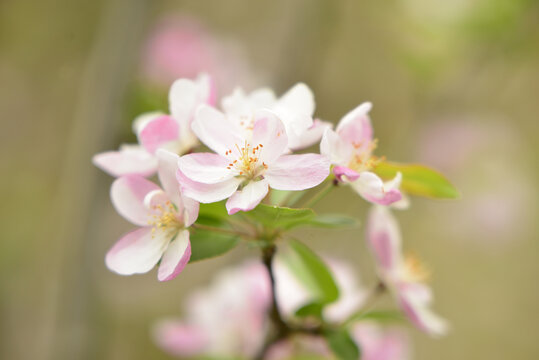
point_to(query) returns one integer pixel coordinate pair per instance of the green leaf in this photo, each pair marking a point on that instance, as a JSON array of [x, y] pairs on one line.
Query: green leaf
[[216, 211], [311, 271], [388, 316], [313, 309], [207, 244], [418, 180], [333, 221], [276, 217], [342, 344]]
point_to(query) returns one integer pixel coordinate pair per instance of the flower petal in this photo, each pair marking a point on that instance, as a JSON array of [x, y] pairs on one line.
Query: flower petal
[[417, 310], [207, 193], [180, 339], [384, 238], [297, 172], [137, 252], [206, 168], [345, 174], [159, 132], [371, 188], [143, 119], [129, 160], [175, 258], [269, 132], [239, 104], [215, 130], [336, 149], [247, 198], [355, 127], [186, 95], [299, 99], [310, 136], [127, 194]]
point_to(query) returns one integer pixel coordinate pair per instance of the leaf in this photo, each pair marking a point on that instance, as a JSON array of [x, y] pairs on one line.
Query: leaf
[[313, 309], [216, 211], [342, 345], [418, 180], [276, 217], [207, 244], [388, 316], [311, 271], [284, 198], [333, 221]]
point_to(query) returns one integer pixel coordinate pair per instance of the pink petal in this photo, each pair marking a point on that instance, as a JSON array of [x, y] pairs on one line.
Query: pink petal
[[420, 315], [175, 258], [207, 193], [143, 119], [159, 132], [372, 189], [127, 194], [168, 165], [355, 127], [336, 149], [137, 252], [206, 168], [297, 172], [345, 174], [310, 136], [128, 161], [381, 343], [215, 130], [185, 96], [384, 238], [269, 132], [247, 198], [179, 339]]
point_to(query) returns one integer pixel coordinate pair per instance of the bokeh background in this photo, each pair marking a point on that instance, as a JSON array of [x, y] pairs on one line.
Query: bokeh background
[[455, 85]]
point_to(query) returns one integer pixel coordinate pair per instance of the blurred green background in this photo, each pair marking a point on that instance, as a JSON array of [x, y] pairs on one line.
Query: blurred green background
[[455, 84]]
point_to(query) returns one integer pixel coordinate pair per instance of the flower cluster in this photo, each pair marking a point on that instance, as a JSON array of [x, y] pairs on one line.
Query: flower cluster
[[245, 188]]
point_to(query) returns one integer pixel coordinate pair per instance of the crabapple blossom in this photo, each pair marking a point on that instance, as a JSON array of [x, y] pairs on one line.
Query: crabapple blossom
[[229, 318], [226, 319], [243, 168], [156, 130], [163, 216], [350, 149], [405, 277], [295, 109]]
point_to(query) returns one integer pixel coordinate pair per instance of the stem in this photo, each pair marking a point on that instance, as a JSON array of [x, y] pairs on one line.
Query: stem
[[372, 298], [281, 327], [221, 230], [320, 195]]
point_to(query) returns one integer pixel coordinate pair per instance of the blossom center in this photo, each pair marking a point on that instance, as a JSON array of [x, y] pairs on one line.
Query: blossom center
[[164, 217], [362, 159], [415, 270], [247, 163]]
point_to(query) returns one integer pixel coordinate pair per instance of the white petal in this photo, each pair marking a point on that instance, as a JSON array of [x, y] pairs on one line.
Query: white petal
[[336, 149], [130, 160], [215, 130], [207, 168], [269, 132], [127, 194], [297, 172], [207, 193], [247, 198], [175, 257], [137, 252]]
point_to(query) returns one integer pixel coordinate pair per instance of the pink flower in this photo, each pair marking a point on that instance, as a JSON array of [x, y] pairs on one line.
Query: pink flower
[[163, 217], [376, 344], [245, 165], [403, 276], [295, 109], [160, 131], [350, 149], [226, 319], [381, 344]]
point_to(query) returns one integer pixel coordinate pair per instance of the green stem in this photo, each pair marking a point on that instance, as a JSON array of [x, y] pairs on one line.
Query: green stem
[[330, 185], [372, 298]]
